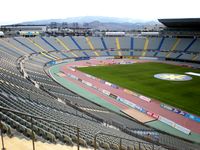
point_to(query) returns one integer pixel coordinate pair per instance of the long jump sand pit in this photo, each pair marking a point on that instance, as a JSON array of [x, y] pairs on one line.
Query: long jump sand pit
[[138, 115]]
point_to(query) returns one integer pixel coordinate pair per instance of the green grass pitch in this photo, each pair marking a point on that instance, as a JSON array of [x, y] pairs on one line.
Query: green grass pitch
[[139, 77]]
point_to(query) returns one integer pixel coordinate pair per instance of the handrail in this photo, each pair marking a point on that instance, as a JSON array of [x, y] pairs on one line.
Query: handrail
[[61, 123], [40, 118], [120, 138]]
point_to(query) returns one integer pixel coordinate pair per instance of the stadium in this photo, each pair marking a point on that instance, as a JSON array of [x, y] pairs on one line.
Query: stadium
[[102, 92]]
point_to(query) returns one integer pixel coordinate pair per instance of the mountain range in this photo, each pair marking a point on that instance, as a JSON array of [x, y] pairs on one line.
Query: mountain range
[[100, 22]]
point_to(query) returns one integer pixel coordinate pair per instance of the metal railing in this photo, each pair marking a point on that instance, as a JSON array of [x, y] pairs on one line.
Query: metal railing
[[120, 141], [39, 118], [2, 109]]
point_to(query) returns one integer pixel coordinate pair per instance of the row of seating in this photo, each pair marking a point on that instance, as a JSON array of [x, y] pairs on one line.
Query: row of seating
[[176, 48]]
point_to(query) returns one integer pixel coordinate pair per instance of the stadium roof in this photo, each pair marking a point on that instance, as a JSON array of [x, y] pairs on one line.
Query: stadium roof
[[181, 23]]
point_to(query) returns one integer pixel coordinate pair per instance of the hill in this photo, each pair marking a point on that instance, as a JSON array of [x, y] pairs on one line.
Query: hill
[[100, 22]]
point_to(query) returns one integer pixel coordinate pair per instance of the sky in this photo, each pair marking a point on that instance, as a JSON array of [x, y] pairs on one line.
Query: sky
[[16, 11]]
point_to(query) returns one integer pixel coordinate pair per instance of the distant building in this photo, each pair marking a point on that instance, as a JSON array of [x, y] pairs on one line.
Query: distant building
[[75, 25], [86, 25], [14, 30], [1, 34], [64, 25], [53, 25], [149, 34], [115, 33], [28, 33]]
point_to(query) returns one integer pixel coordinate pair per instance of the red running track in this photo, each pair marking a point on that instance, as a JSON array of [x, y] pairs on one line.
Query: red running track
[[153, 106]]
